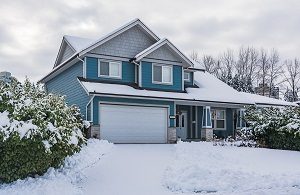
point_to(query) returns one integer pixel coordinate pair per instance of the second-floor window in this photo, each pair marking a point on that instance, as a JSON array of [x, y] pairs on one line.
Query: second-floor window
[[162, 74], [110, 69]]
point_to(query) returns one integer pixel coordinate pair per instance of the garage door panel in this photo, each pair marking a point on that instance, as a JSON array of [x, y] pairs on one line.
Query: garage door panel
[[133, 124]]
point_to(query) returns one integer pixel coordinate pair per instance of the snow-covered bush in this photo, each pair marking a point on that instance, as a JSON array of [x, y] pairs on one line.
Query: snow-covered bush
[[243, 138], [37, 130], [275, 127]]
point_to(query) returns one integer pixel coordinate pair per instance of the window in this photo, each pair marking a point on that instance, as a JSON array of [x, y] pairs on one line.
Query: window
[[218, 118], [110, 69], [162, 74], [187, 76]]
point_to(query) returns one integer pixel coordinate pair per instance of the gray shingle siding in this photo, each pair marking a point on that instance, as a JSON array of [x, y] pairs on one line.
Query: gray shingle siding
[[163, 53], [127, 44], [67, 52], [66, 84]]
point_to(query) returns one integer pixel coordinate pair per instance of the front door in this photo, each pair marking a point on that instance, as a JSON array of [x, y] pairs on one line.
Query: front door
[[181, 124]]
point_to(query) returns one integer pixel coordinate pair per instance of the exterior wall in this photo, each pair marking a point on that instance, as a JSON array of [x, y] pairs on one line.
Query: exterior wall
[[229, 125], [147, 78], [189, 83], [67, 52], [66, 83], [131, 101], [199, 121], [163, 53], [128, 71], [127, 44]]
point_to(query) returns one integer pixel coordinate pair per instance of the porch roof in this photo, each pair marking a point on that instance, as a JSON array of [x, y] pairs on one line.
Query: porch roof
[[210, 89]]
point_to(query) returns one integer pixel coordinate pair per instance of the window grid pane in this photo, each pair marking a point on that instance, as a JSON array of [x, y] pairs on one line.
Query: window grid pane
[[104, 68], [157, 73], [167, 74], [186, 76], [220, 124], [114, 69]]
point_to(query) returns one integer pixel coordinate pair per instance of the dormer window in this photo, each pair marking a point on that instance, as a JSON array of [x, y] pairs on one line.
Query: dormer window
[[109, 69], [162, 74], [187, 77]]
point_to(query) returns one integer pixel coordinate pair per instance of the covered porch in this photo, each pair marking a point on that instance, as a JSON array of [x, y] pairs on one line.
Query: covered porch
[[202, 121]]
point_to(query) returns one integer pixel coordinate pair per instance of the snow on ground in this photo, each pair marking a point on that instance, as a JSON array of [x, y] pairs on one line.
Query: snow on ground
[[202, 167], [65, 180], [164, 169]]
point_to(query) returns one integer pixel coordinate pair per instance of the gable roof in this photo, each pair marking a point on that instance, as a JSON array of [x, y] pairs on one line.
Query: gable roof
[[159, 44], [78, 43], [81, 45]]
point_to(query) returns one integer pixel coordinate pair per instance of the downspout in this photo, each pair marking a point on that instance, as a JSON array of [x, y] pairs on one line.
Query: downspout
[[138, 76], [86, 109], [83, 66]]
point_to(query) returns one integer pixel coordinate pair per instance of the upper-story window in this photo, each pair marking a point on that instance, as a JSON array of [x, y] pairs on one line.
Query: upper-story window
[[162, 74], [109, 69], [187, 76]]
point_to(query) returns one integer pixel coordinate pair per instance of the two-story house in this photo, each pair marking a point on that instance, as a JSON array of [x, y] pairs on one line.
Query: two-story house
[[137, 88]]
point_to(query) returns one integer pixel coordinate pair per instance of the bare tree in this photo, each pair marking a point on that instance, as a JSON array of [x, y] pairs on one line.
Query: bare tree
[[195, 56], [226, 65], [275, 70], [209, 64], [292, 77], [264, 67]]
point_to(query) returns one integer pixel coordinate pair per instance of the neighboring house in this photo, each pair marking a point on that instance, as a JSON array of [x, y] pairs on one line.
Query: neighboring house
[[5, 77], [137, 88]]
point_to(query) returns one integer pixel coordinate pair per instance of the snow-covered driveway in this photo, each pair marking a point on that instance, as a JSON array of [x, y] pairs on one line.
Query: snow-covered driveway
[[131, 169]]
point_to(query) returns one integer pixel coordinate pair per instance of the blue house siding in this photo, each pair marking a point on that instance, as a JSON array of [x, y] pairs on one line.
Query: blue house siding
[[199, 120], [128, 71], [66, 84], [132, 101], [189, 83], [147, 78], [229, 125]]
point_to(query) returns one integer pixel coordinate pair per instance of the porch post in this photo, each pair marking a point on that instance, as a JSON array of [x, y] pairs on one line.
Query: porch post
[[207, 130]]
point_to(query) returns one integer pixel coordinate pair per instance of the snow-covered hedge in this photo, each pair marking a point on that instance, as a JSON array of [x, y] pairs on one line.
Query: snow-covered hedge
[[37, 130], [275, 127]]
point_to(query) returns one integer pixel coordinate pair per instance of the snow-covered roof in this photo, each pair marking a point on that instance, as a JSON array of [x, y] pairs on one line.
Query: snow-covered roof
[[210, 89], [78, 43]]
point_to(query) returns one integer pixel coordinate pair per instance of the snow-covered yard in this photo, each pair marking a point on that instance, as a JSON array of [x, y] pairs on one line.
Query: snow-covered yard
[[162, 169], [202, 167]]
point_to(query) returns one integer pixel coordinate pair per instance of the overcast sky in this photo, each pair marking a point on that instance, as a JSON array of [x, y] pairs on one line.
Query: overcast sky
[[31, 30]]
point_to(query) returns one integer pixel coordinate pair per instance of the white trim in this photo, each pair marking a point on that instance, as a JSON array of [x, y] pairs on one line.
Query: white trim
[[189, 76], [84, 68], [109, 64], [196, 119], [162, 74], [157, 45], [140, 74], [182, 79], [64, 40], [206, 116], [86, 108]]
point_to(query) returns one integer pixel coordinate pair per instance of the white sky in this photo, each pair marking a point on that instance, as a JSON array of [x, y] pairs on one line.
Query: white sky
[[31, 30]]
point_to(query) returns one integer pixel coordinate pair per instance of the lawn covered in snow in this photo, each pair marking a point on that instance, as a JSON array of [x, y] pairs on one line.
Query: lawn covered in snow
[[202, 167], [66, 180]]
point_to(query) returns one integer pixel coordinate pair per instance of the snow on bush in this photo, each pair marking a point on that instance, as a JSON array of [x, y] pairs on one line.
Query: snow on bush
[[275, 127], [204, 168], [65, 180], [37, 130]]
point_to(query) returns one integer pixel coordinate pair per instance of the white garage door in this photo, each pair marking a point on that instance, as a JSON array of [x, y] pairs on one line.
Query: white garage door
[[133, 124]]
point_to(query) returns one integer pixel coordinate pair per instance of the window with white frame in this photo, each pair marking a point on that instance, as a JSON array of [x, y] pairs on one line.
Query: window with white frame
[[109, 69], [218, 119], [186, 76], [162, 74]]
